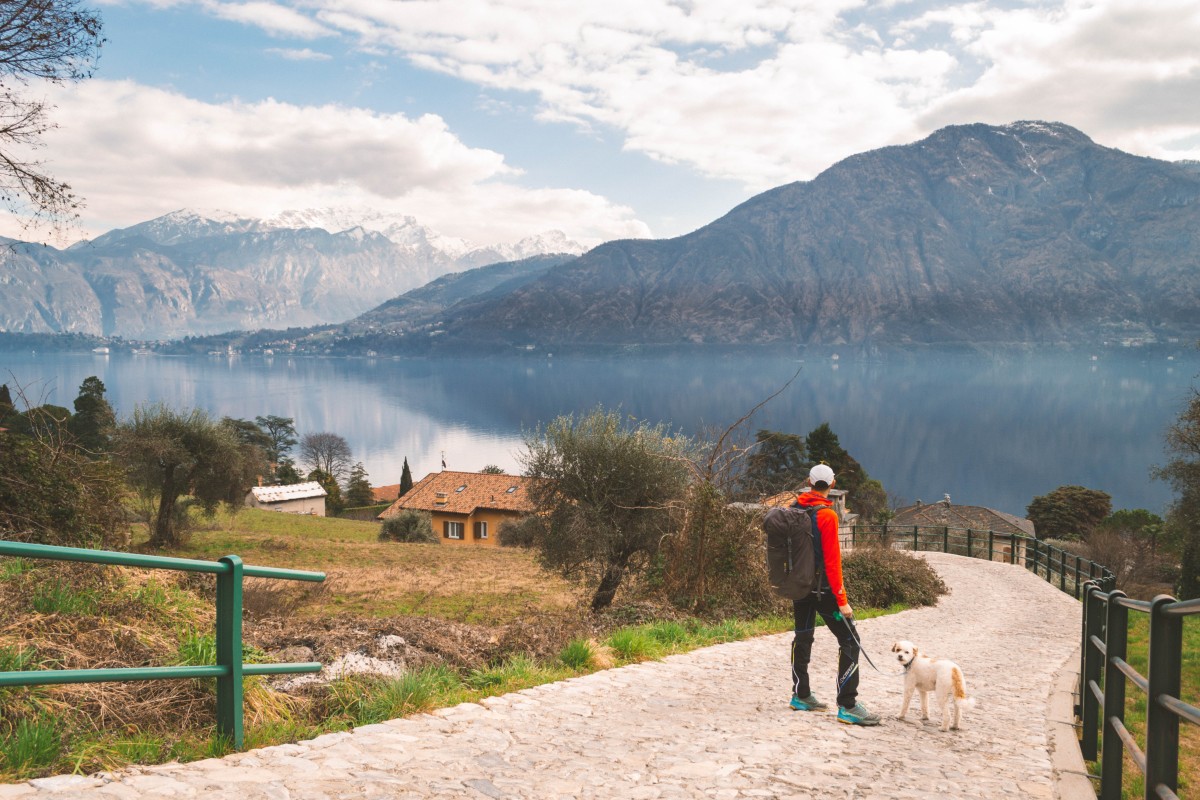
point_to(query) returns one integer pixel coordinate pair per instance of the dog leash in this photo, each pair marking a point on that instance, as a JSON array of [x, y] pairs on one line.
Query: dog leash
[[854, 635]]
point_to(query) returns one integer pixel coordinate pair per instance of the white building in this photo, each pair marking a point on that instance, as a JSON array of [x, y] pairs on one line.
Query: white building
[[297, 498]]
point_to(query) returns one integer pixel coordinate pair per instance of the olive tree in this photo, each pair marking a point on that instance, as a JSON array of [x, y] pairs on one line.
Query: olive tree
[[607, 491], [170, 454]]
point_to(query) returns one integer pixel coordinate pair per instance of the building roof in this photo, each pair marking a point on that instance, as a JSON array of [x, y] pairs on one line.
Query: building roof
[[294, 491], [956, 516], [464, 492], [385, 493]]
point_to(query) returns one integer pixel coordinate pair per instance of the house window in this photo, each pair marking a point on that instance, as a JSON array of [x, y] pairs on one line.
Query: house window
[[452, 530], [480, 530], [461, 488], [510, 490]]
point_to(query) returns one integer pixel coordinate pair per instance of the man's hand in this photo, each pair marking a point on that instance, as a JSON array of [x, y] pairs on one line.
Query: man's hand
[[846, 611]]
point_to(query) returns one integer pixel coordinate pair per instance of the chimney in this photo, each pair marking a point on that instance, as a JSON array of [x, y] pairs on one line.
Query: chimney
[[440, 498], [946, 499]]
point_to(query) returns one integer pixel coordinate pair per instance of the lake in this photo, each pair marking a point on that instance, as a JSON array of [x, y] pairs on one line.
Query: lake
[[987, 430]]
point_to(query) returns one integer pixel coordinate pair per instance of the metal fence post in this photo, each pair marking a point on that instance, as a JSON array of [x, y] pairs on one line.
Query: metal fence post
[[1112, 751], [1162, 726], [1062, 570], [229, 651], [945, 538], [1078, 564], [1089, 673], [991, 544], [916, 530], [970, 550]]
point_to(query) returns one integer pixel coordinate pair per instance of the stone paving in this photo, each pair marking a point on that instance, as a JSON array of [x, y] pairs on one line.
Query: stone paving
[[713, 723]]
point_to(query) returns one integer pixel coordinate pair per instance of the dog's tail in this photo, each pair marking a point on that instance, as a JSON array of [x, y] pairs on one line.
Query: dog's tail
[[960, 688]]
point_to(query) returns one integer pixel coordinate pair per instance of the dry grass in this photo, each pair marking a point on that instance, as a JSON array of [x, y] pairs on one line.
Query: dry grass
[[493, 586]]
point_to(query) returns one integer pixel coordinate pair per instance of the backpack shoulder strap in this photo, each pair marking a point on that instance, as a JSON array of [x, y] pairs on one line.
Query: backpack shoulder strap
[[818, 552]]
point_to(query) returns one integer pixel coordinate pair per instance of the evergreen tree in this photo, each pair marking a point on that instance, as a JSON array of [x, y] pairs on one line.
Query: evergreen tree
[[1068, 512], [286, 473], [1183, 516], [406, 481], [776, 464], [491, 469], [7, 409], [333, 492], [358, 488], [94, 418], [282, 433]]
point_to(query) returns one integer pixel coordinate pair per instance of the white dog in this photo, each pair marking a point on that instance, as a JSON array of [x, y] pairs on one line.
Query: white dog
[[925, 674]]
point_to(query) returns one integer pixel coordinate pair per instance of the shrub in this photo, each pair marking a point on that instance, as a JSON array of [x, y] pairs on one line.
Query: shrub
[[414, 527], [879, 578]]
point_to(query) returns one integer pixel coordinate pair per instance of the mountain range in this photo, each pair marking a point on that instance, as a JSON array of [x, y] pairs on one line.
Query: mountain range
[[1026, 233], [1022, 233], [194, 273]]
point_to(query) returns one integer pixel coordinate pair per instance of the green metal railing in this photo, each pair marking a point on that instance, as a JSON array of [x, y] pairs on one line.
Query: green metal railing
[[1071, 573], [1102, 708], [229, 669], [1105, 628]]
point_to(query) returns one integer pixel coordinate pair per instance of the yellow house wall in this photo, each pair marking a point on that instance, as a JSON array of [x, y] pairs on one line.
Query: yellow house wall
[[493, 519]]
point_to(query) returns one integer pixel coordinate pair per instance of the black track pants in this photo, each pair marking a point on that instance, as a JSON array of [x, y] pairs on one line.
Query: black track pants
[[805, 612]]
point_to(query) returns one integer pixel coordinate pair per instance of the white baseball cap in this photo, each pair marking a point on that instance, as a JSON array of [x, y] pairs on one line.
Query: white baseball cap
[[821, 473]]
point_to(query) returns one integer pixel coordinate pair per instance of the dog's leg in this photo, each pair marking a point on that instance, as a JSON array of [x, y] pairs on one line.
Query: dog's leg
[[908, 690], [943, 693], [925, 705]]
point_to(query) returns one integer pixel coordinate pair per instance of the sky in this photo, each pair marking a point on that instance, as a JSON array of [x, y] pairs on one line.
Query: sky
[[493, 120]]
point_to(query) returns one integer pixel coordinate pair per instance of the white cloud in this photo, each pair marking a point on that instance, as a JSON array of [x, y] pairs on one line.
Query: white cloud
[[273, 18], [303, 54], [135, 152], [1124, 72], [815, 81]]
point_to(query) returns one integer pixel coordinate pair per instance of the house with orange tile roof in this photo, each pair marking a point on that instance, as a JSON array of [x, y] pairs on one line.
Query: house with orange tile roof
[[468, 508]]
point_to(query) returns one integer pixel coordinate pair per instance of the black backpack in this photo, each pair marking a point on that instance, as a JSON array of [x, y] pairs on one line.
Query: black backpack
[[794, 564]]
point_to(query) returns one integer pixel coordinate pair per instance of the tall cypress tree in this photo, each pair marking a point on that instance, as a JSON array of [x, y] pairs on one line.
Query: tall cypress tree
[[406, 482], [94, 418]]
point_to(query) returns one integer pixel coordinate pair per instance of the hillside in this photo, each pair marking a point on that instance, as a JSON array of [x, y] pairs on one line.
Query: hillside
[[1028, 233]]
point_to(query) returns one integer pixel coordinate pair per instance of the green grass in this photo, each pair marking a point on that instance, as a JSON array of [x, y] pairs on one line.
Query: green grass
[[31, 744], [578, 654], [58, 597], [12, 566]]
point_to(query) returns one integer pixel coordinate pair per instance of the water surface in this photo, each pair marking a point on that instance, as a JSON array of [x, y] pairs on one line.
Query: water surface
[[987, 430]]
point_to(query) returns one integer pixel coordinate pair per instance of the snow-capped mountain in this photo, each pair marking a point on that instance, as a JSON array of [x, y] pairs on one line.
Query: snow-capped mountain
[[195, 272]]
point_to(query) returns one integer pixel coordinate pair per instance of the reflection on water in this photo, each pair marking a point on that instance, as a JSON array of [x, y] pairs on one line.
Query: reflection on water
[[985, 430]]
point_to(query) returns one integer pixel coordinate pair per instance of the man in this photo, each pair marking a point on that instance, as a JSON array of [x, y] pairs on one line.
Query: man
[[830, 601]]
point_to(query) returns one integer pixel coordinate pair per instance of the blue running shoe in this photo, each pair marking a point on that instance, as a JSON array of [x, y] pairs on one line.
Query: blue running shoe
[[810, 703], [857, 715]]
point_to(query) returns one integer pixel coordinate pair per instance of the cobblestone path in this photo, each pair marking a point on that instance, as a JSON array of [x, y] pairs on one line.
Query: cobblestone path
[[713, 723]]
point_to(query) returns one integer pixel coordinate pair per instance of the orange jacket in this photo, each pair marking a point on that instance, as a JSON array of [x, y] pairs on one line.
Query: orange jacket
[[827, 524]]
